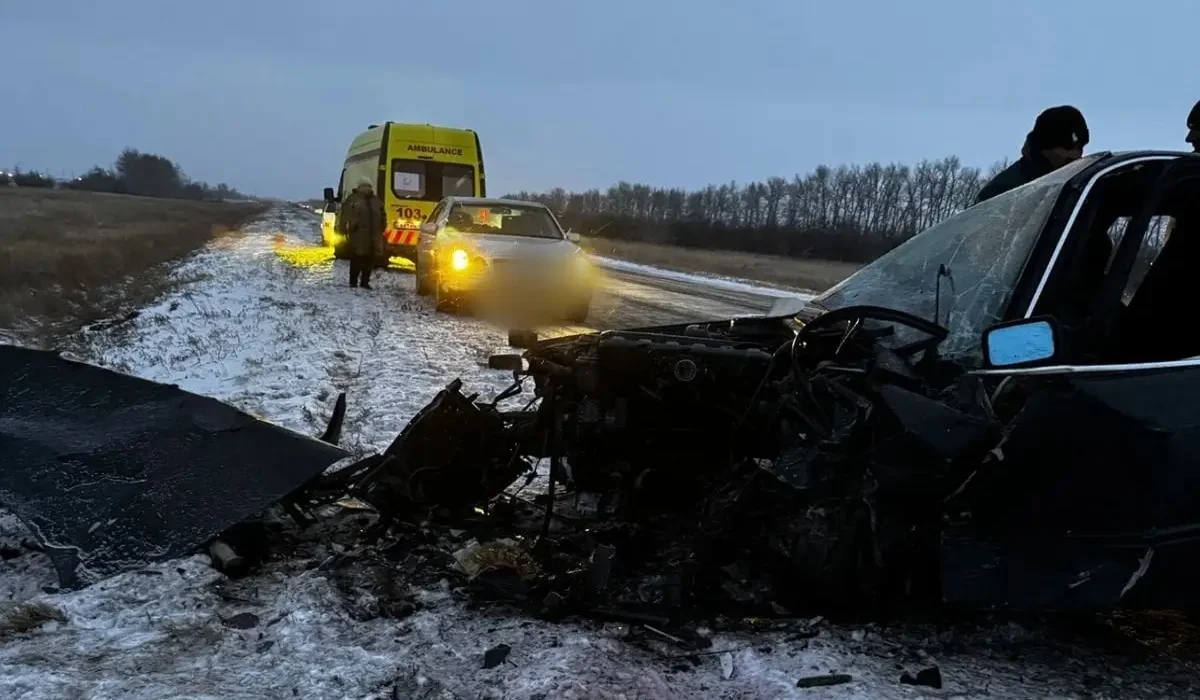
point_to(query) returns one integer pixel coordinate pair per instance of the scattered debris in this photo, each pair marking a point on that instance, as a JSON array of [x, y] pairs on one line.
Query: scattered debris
[[477, 559], [225, 559], [726, 666], [241, 621], [931, 677], [496, 655], [821, 681], [110, 323], [19, 618]]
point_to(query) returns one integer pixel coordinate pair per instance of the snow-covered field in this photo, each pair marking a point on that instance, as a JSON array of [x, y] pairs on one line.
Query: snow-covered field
[[267, 323]]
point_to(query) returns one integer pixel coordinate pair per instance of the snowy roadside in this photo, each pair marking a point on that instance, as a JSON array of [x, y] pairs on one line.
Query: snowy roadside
[[269, 326], [272, 328]]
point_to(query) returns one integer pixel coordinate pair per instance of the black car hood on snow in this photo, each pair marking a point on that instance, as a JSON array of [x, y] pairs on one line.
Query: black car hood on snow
[[112, 472]]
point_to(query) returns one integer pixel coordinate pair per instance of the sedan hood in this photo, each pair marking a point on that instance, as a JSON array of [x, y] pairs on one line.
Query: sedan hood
[[502, 246]]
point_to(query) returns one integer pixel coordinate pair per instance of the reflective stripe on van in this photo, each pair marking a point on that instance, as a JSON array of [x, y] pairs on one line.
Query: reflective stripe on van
[[402, 236]]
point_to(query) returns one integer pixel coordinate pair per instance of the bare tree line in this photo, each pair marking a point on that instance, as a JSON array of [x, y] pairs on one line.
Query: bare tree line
[[853, 213], [134, 172]]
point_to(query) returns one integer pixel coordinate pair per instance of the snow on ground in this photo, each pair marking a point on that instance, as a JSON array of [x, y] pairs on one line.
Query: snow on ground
[[715, 281], [272, 327], [268, 324]]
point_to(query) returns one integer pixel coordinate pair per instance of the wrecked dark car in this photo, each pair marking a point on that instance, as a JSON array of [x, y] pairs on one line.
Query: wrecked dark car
[[999, 412]]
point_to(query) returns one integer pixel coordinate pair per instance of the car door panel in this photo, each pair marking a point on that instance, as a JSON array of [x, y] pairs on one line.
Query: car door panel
[[1095, 498]]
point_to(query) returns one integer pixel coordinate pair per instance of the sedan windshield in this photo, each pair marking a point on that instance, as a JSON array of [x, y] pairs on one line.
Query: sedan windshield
[[528, 221], [984, 250]]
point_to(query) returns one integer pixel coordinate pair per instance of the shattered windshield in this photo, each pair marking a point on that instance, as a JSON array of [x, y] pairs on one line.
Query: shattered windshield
[[984, 249]]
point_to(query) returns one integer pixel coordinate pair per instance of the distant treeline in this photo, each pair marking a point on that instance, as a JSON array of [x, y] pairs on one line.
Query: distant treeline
[[851, 213], [143, 174]]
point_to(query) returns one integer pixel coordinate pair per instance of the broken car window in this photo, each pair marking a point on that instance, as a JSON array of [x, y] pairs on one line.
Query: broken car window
[[984, 249], [1156, 236]]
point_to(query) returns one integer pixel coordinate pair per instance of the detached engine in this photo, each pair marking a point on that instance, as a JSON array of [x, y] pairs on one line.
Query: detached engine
[[659, 415]]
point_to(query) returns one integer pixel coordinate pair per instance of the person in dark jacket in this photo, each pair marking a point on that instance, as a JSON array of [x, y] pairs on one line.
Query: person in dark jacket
[[362, 221], [1193, 124], [1057, 138]]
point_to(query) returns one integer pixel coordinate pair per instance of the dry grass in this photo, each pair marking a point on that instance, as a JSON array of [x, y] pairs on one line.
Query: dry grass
[[70, 258], [19, 618], [814, 275]]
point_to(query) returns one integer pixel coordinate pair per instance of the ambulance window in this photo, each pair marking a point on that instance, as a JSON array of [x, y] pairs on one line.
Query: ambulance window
[[458, 180], [363, 165], [408, 179]]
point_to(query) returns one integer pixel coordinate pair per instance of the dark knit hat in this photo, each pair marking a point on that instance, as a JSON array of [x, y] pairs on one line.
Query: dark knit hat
[[1059, 127], [1194, 118]]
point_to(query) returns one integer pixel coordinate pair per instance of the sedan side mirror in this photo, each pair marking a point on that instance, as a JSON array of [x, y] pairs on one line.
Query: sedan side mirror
[[429, 228], [1021, 343], [573, 237]]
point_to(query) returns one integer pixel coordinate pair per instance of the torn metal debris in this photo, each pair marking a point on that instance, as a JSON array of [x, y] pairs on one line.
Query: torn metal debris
[[824, 681]]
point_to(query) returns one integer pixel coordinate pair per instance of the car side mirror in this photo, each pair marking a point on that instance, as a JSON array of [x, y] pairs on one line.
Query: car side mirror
[[329, 194], [429, 228], [573, 237], [1021, 343]]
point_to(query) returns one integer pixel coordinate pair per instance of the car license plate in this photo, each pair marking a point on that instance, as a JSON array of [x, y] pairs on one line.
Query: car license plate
[[516, 269]]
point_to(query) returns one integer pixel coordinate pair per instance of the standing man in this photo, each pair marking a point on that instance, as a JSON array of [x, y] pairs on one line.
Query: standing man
[[1057, 138], [1193, 124], [1193, 137], [362, 220]]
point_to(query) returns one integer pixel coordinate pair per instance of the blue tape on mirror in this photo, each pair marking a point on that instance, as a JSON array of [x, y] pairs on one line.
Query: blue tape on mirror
[[1020, 344]]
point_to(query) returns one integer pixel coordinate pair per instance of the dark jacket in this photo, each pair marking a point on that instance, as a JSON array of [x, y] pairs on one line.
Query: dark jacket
[[363, 221], [1030, 167]]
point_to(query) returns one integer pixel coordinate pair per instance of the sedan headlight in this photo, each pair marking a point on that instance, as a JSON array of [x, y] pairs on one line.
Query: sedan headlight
[[459, 260]]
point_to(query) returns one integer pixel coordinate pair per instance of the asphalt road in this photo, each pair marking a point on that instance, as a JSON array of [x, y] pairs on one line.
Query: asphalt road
[[630, 299]]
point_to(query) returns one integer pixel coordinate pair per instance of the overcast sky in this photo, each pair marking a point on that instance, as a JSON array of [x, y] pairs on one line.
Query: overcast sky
[[266, 94]]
